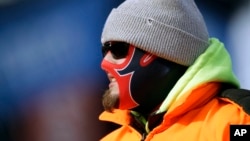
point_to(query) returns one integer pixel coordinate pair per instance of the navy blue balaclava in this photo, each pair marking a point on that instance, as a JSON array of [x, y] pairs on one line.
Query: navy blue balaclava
[[144, 79]]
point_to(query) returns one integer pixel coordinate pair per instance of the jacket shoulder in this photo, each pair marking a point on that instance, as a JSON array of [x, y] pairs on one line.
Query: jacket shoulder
[[239, 96]]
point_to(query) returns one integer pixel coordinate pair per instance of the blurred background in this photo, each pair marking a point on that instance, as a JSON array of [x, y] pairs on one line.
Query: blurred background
[[51, 83]]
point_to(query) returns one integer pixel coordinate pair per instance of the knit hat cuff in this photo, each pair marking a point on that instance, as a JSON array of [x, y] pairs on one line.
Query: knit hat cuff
[[152, 36]]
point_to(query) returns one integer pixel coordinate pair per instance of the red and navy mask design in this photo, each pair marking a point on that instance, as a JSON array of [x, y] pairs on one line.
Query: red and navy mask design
[[142, 78]]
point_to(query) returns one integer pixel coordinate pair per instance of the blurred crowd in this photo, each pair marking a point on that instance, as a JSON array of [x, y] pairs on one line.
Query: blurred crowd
[[51, 83]]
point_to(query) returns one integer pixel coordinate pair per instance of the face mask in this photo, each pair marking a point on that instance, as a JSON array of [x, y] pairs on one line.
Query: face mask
[[144, 80]]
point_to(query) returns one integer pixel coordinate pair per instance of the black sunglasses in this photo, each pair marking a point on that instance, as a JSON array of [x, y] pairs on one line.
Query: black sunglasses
[[118, 49]]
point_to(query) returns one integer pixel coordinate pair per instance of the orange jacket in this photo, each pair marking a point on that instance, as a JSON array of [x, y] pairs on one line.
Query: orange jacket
[[199, 122], [194, 111]]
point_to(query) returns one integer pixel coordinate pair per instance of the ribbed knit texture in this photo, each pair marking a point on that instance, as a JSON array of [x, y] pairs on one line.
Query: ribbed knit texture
[[171, 29]]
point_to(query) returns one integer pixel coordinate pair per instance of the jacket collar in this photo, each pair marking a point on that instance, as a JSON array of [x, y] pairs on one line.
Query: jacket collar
[[214, 65]]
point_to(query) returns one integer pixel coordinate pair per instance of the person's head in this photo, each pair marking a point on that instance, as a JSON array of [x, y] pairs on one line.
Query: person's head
[[147, 46]]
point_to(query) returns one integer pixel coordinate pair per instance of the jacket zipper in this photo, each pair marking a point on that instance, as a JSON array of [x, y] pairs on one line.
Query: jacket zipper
[[144, 135]]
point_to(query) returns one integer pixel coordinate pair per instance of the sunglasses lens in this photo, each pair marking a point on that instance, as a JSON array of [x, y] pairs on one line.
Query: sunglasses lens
[[105, 49], [118, 49]]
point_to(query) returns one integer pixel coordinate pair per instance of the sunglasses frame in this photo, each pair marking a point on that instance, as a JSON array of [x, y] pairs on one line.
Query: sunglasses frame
[[118, 50]]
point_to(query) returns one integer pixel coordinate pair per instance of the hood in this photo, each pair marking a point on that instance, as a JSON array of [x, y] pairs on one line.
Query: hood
[[214, 65]]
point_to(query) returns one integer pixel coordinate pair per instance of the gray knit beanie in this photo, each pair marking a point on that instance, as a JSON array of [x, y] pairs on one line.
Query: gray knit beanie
[[171, 29]]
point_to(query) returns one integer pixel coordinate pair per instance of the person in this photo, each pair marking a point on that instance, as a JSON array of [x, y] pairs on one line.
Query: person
[[168, 79]]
